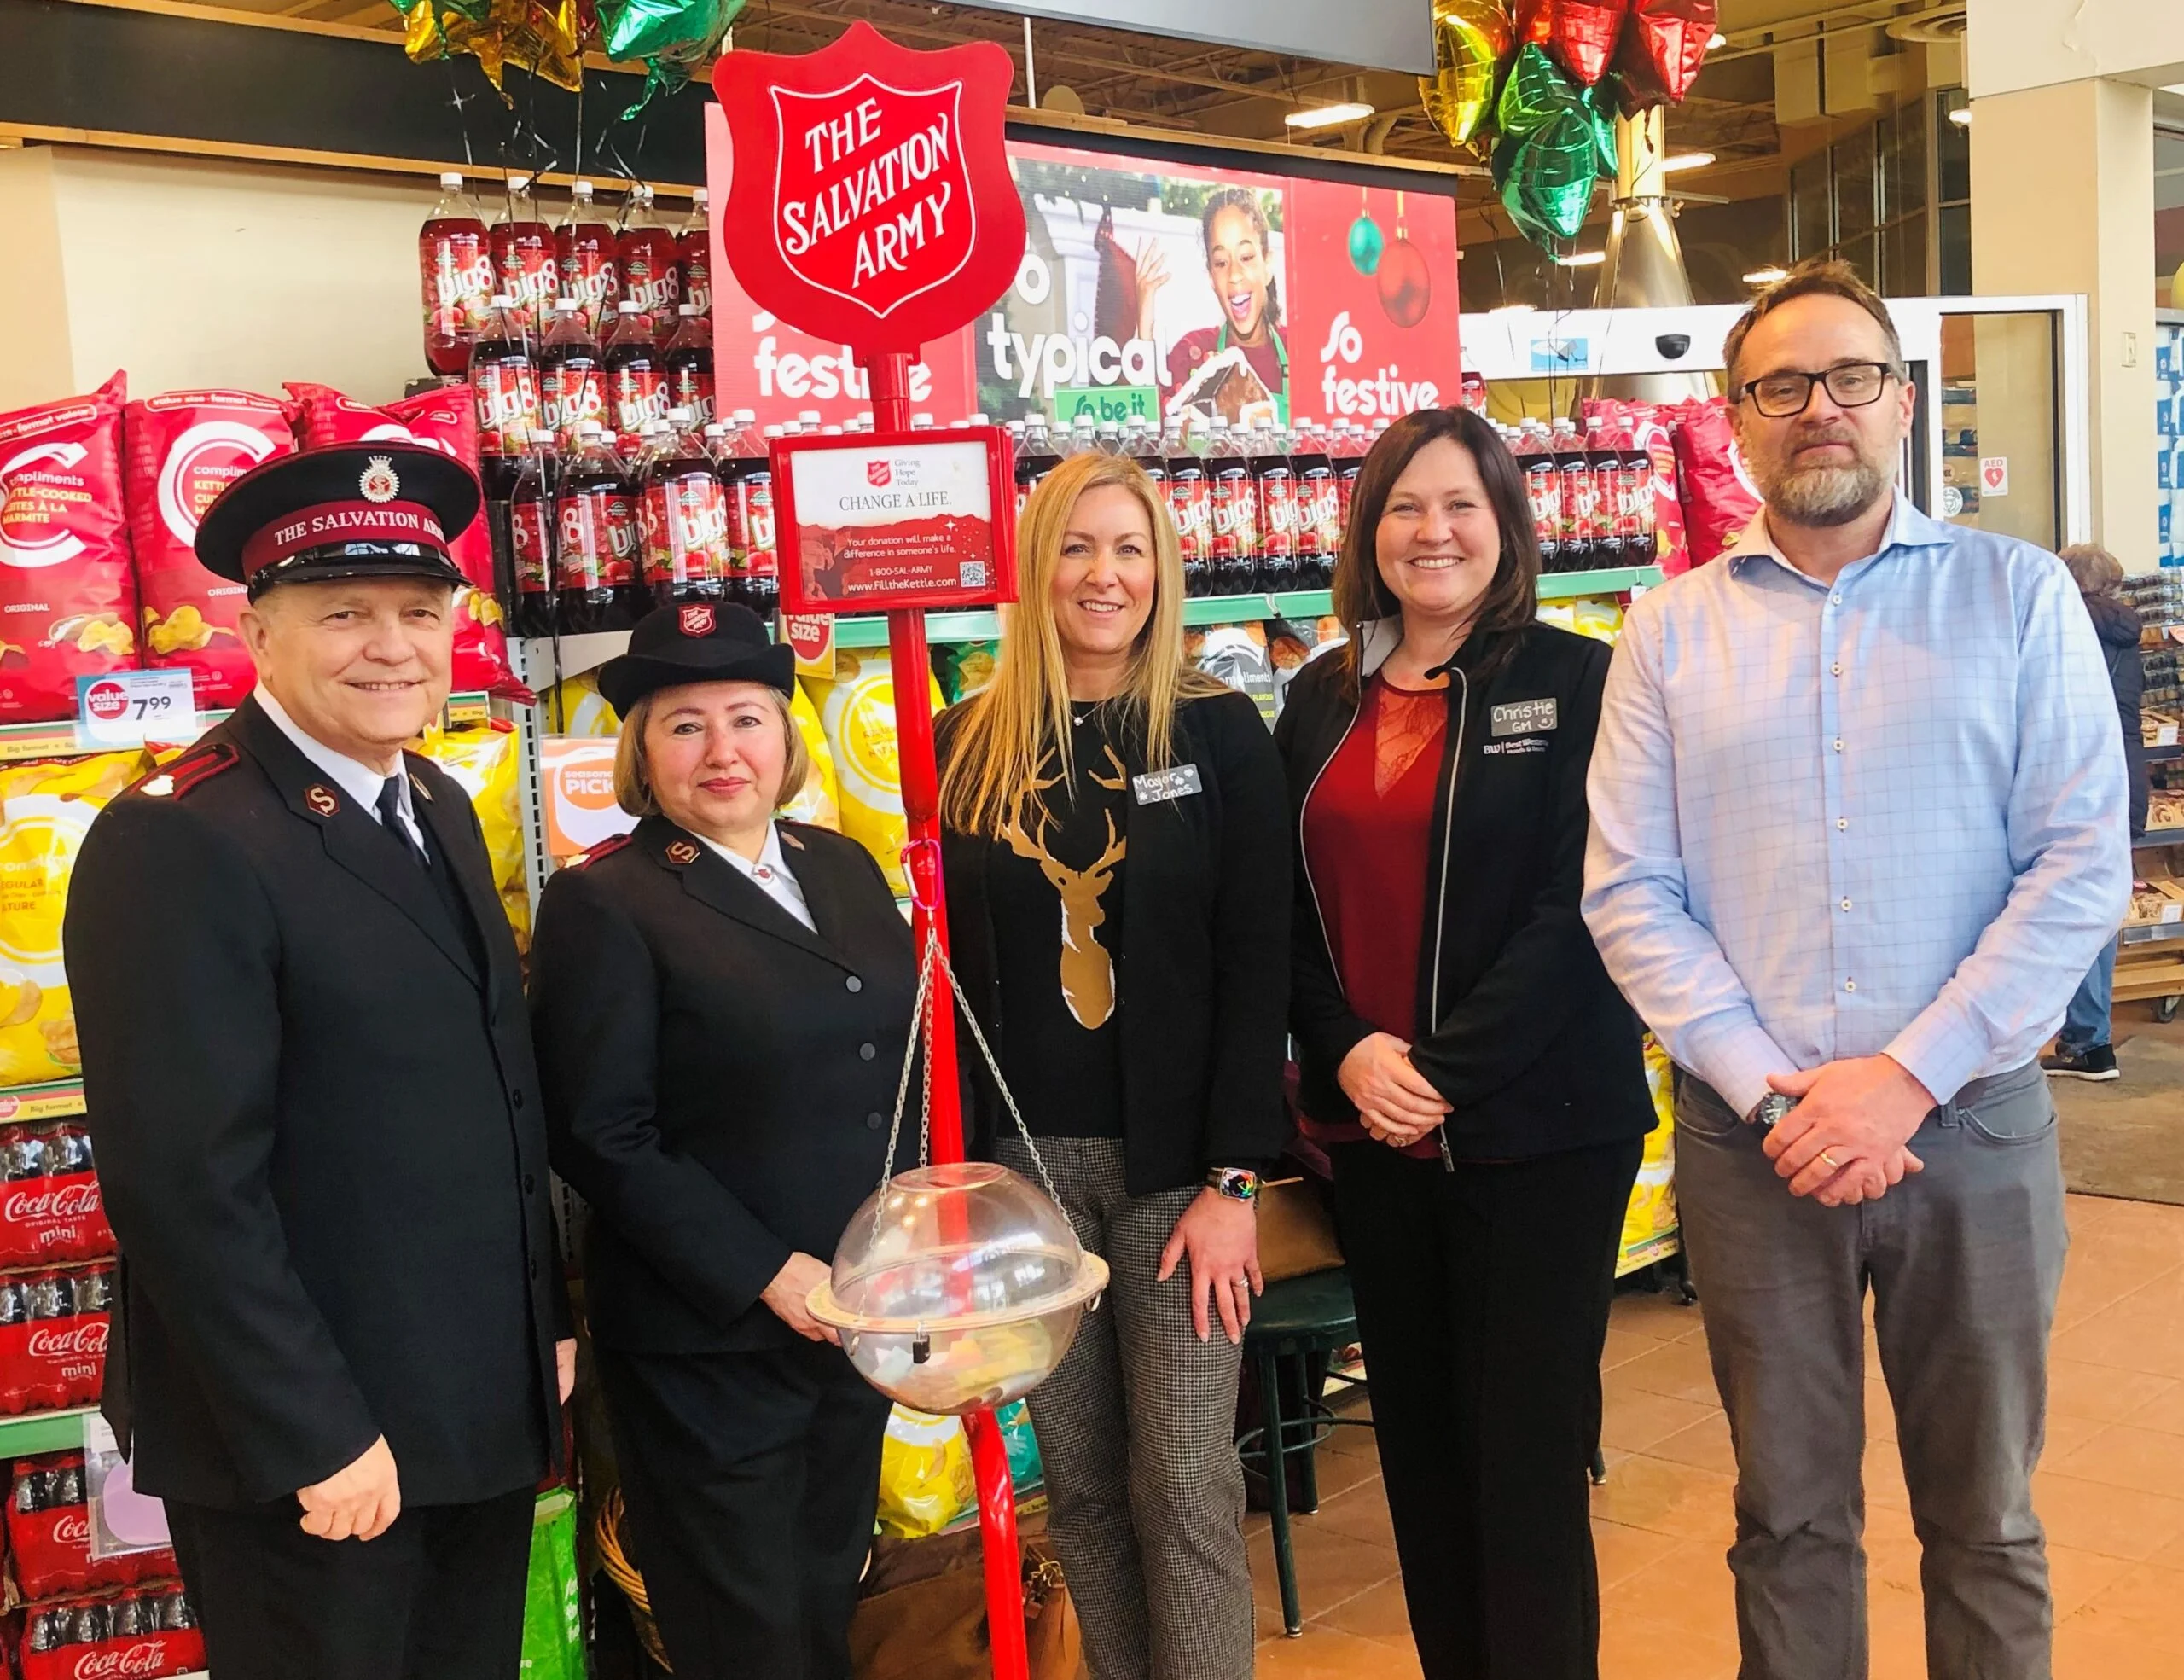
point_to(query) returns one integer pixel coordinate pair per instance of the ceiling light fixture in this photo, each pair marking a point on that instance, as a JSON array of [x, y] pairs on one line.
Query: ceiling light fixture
[[1511, 309], [1766, 276], [1717, 39], [1676, 160], [1961, 116], [1328, 116], [1582, 258]]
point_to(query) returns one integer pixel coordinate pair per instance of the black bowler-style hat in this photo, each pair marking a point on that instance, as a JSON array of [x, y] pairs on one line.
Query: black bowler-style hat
[[360, 510], [698, 641]]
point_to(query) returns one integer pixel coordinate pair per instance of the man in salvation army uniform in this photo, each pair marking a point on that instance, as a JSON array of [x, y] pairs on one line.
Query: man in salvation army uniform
[[341, 1344]]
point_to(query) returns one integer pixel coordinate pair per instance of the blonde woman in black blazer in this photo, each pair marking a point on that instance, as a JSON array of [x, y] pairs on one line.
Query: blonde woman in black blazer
[[722, 1002]]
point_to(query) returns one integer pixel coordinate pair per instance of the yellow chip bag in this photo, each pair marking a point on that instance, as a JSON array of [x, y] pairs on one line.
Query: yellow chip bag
[[482, 760], [925, 1473], [574, 706], [856, 710], [821, 802], [45, 810], [1649, 1223]]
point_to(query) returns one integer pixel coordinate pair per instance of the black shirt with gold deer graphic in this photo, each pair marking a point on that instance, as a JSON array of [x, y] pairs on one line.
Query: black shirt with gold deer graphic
[[1055, 886]]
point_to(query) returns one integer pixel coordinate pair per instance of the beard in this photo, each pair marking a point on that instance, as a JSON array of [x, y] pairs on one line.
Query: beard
[[1822, 496]]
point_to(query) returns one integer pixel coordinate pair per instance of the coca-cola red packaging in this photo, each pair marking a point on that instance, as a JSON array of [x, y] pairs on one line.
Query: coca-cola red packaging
[[443, 420], [53, 1327], [49, 1204], [1719, 497], [67, 595], [49, 1533], [185, 447], [142, 1634]]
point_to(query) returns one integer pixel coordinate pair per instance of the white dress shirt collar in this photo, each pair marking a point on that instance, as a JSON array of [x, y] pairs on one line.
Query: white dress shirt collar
[[1907, 527], [770, 873], [358, 780]]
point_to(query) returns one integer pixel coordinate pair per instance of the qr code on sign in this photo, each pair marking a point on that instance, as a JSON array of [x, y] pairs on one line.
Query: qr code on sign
[[971, 574]]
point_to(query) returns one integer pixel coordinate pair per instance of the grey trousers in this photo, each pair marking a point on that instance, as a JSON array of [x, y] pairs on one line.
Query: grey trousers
[[1964, 1261], [1137, 1434]]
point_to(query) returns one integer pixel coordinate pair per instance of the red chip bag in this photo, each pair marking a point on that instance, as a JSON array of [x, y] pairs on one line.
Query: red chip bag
[[444, 420], [185, 447], [1719, 497], [67, 598]]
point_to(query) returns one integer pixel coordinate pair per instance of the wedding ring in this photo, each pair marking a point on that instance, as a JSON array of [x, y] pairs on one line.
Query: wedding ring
[[1828, 1156]]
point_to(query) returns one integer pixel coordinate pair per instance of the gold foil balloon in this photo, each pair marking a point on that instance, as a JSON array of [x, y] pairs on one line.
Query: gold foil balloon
[[1471, 41]]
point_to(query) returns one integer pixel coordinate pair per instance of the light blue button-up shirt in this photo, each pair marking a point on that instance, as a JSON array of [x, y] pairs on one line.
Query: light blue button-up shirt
[[1884, 815]]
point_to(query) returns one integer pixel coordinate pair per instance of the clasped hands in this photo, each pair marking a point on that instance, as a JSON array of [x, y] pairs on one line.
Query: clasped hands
[[1395, 1103], [1846, 1142]]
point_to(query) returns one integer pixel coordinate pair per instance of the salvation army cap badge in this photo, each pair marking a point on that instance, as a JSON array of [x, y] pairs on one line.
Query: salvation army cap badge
[[379, 482], [697, 621]]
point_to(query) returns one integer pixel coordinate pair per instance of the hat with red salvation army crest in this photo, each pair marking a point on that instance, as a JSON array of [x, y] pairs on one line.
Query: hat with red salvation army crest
[[696, 641], [359, 510]]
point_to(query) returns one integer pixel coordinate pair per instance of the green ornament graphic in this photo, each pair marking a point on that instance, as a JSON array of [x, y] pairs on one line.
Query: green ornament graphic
[[1366, 244]]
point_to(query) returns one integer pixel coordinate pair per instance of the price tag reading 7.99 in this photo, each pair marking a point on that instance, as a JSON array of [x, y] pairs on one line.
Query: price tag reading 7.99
[[130, 707]]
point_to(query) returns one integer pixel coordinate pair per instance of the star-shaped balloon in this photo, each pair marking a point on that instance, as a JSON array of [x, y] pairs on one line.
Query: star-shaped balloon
[[1555, 143], [527, 34], [1472, 42], [1661, 51], [1580, 34]]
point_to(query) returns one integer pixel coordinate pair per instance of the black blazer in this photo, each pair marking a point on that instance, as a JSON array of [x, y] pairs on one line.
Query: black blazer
[[718, 1078], [319, 1136], [1201, 964], [1532, 1044]]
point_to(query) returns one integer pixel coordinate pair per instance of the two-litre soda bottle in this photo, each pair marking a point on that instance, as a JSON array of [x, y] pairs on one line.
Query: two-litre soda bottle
[[1037, 458], [689, 363], [693, 257], [1145, 447], [1190, 505], [584, 254], [504, 390], [600, 588], [1346, 455], [685, 519], [645, 254], [1580, 516], [1232, 554], [760, 579], [637, 370], [455, 271], [534, 534], [1275, 477], [571, 376], [1319, 522], [523, 258], [1604, 464], [1543, 491]]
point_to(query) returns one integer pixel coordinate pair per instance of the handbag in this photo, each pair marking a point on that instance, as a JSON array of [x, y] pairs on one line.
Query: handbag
[[923, 1613], [1297, 1233]]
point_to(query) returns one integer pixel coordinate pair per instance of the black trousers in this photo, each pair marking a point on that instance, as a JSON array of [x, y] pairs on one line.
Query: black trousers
[[438, 1597], [750, 1479], [1482, 1300]]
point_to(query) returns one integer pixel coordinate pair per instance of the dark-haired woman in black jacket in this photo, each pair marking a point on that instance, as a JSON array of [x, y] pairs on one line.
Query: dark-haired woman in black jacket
[[1474, 1073]]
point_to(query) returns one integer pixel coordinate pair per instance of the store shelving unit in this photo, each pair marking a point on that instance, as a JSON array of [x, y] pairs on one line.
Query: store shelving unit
[[58, 1431], [21, 743]]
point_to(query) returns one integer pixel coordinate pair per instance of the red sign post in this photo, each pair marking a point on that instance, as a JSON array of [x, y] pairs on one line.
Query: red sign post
[[870, 203]]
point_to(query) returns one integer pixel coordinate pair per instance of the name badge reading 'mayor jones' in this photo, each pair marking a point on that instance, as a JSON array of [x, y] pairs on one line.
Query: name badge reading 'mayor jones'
[[1156, 786]]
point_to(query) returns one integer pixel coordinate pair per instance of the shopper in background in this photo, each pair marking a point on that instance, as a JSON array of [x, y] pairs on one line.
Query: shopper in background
[[2082, 1049], [1858, 829], [1118, 905], [723, 1001], [1474, 1074], [342, 1345]]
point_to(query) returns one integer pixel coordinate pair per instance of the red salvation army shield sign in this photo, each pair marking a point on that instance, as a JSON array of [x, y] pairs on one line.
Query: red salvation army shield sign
[[874, 185]]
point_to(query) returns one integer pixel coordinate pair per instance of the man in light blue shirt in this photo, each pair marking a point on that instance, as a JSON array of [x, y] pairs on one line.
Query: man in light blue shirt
[[1858, 829]]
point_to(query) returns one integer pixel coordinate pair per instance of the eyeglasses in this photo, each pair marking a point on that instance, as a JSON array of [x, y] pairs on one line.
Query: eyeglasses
[[1855, 385]]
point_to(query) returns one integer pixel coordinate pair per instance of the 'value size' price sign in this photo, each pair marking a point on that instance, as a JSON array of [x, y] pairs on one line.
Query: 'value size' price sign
[[128, 707]]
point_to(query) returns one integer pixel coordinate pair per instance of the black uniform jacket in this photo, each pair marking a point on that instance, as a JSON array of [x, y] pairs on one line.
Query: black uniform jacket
[[1202, 963], [719, 1079], [1519, 1026], [319, 1134]]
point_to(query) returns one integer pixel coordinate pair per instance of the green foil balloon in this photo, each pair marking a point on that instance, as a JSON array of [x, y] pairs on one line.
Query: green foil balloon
[[1471, 40], [1366, 244], [650, 29], [1534, 93], [1554, 144]]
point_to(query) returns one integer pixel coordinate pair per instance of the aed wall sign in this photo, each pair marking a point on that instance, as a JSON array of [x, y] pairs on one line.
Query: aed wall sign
[[875, 185]]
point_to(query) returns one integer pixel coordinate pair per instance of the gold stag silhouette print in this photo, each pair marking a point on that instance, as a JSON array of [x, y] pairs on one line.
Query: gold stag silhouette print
[[1088, 972]]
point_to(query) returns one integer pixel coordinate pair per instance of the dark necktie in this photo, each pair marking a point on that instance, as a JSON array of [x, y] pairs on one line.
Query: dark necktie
[[390, 817]]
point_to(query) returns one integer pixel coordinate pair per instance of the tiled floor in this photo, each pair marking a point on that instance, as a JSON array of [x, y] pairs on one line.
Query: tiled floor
[[2111, 1490]]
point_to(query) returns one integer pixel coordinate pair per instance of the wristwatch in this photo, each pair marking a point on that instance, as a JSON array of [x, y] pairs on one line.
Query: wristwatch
[[1771, 1110], [1237, 1184]]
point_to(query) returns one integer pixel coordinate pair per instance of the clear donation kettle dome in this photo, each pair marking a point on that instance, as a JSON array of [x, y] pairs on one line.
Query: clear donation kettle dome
[[958, 1287]]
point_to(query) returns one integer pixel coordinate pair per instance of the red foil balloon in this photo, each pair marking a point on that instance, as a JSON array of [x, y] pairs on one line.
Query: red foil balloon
[[1661, 51], [1580, 34]]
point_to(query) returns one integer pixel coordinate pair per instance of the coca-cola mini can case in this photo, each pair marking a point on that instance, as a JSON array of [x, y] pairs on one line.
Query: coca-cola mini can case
[[53, 1331], [140, 1633], [50, 1209]]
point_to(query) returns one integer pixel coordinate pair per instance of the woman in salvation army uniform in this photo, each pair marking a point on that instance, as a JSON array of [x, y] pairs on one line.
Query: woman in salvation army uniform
[[722, 1002]]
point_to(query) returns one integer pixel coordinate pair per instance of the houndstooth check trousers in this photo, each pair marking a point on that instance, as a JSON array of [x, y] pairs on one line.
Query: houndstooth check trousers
[[1137, 1434]]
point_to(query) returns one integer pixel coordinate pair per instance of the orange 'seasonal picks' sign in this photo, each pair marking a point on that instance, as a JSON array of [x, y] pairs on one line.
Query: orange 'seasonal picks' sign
[[871, 201]]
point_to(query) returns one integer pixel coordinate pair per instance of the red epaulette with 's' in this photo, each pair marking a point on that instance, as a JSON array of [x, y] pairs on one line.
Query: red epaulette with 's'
[[191, 770]]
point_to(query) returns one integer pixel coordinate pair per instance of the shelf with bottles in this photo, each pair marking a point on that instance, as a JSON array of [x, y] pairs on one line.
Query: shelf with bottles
[[22, 743]]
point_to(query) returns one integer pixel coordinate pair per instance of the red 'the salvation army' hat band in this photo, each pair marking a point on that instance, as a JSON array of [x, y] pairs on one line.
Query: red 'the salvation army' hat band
[[327, 524]]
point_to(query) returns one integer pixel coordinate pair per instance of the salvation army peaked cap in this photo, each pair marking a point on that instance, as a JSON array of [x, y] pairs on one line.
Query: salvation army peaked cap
[[357, 511], [698, 641]]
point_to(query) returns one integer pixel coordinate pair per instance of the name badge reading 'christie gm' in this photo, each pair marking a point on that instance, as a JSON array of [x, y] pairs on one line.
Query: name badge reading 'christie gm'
[[1523, 717], [1156, 786]]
